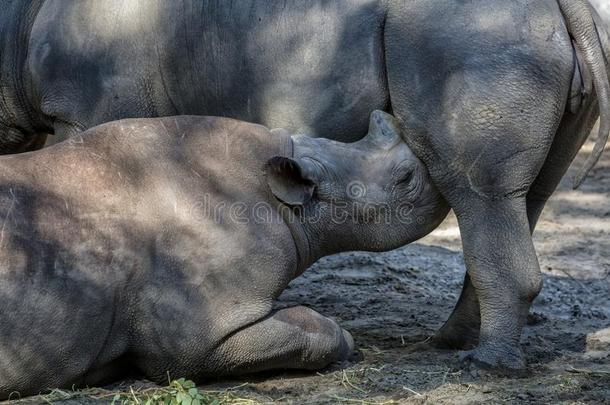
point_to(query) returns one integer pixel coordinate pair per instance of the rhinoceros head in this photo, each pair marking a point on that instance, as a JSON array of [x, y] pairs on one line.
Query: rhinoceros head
[[374, 194]]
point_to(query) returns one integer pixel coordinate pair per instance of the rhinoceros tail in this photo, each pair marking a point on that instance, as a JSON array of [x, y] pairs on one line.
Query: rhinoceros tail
[[581, 26]]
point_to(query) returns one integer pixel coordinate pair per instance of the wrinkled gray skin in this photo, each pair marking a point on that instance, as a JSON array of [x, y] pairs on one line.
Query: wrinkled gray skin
[[494, 94], [167, 257]]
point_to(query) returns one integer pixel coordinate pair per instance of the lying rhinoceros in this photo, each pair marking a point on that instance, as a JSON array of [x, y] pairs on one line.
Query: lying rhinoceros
[[167, 257], [497, 96]]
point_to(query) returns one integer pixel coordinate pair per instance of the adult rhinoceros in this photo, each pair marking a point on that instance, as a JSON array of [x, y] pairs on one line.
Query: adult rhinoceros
[[496, 96]]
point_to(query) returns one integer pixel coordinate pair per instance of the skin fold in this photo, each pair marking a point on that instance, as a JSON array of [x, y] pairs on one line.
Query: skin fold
[[166, 258], [494, 96]]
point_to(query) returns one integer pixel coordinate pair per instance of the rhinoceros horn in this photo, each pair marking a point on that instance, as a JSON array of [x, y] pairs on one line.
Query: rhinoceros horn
[[383, 130]]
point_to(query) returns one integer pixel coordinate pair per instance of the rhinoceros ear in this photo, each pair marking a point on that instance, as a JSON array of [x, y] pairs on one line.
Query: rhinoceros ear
[[288, 182], [383, 129]]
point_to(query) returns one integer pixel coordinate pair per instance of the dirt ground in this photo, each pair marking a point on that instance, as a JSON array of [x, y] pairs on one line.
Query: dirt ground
[[394, 300]]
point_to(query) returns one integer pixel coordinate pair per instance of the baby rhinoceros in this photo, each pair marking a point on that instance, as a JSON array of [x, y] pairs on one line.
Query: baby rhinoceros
[[159, 246]]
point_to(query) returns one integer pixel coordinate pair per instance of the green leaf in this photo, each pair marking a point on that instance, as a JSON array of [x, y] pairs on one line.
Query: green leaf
[[193, 392]]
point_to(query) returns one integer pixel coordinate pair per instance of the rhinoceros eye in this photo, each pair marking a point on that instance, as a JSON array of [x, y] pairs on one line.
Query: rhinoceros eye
[[403, 174]]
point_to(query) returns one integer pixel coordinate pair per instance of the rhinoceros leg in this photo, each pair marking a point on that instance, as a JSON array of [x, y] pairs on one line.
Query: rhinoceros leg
[[292, 338], [574, 130], [484, 127], [504, 270], [461, 331]]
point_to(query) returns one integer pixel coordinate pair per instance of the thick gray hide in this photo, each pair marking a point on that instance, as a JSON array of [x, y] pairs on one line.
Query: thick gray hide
[[284, 64], [492, 96], [166, 258]]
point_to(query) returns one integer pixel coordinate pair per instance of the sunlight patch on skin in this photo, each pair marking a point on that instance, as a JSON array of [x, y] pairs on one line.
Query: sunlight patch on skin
[[107, 24], [492, 19]]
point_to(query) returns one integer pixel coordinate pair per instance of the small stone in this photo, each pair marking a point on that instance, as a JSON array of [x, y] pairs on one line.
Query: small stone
[[599, 341]]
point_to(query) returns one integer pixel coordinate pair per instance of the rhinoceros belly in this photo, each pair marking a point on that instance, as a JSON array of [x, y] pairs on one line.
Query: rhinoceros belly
[[315, 67]]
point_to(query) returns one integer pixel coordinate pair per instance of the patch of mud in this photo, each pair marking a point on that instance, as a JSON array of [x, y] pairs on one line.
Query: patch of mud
[[392, 301]]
